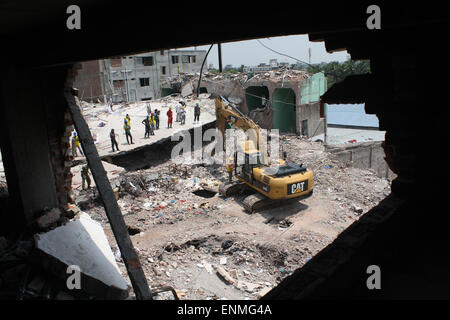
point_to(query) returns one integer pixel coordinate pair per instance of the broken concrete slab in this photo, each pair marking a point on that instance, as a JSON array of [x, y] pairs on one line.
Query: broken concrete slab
[[187, 89], [249, 287], [224, 275], [263, 292], [83, 243]]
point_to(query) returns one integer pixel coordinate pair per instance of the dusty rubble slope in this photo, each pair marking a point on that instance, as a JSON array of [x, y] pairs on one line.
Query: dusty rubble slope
[[207, 247]]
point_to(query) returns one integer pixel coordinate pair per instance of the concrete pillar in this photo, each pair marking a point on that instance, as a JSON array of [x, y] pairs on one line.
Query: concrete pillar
[[27, 100]]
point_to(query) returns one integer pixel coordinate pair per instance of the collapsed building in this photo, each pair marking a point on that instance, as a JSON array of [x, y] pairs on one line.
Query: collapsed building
[[405, 234], [287, 100]]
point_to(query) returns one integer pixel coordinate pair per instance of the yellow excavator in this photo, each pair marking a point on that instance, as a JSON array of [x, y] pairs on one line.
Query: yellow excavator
[[274, 180]]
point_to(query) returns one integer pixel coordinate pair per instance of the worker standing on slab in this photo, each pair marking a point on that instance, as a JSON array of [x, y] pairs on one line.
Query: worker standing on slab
[[197, 112], [183, 115], [178, 111], [85, 177], [152, 124], [230, 165], [76, 143], [74, 146], [148, 128], [112, 135], [157, 119], [149, 109], [127, 129], [169, 118], [127, 119]]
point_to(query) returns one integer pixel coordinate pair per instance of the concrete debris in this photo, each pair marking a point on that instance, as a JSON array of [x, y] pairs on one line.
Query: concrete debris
[[263, 292], [357, 209], [187, 89], [276, 76], [83, 243], [189, 229], [247, 286], [208, 266], [224, 275]]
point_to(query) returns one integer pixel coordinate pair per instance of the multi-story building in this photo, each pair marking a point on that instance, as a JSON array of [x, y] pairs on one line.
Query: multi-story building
[[136, 77], [263, 67]]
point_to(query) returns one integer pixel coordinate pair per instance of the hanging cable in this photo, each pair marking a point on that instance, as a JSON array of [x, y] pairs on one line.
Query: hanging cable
[[201, 69], [282, 53]]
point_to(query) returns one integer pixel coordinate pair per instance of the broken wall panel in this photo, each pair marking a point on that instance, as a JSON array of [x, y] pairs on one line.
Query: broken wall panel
[[82, 243]]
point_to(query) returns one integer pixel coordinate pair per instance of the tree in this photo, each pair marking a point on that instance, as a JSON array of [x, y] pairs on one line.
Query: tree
[[337, 71]]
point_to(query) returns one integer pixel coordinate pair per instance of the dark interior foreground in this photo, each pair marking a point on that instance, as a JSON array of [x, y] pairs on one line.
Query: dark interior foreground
[[406, 235]]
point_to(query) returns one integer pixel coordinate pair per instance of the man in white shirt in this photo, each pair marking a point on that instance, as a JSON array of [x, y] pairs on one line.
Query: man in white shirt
[[178, 111]]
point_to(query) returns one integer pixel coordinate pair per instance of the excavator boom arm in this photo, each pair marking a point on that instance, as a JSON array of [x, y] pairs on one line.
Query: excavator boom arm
[[225, 110]]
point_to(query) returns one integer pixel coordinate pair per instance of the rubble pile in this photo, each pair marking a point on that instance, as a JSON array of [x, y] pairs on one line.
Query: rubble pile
[[275, 75], [352, 188], [207, 247], [242, 77], [162, 196]]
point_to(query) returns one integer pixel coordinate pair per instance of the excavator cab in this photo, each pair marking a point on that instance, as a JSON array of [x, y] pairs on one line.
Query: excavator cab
[[244, 162]]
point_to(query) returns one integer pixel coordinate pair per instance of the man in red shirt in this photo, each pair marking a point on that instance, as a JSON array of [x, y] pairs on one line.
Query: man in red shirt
[[169, 116]]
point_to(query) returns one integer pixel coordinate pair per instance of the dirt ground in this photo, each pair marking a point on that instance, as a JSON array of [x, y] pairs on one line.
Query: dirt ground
[[208, 247]]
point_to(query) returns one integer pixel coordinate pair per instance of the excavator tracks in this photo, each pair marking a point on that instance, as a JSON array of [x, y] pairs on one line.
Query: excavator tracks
[[256, 202], [231, 188], [253, 202]]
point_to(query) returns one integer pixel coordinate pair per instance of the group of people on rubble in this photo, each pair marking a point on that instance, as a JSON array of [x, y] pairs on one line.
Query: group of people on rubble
[[151, 123], [180, 110]]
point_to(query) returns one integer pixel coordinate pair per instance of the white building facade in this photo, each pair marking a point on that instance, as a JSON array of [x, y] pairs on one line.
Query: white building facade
[[138, 77]]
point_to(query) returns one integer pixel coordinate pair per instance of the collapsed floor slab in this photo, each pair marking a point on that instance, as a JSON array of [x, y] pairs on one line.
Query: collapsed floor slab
[[158, 152], [83, 243]]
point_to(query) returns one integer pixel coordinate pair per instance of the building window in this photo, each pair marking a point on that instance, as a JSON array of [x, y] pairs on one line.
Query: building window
[[144, 61], [188, 59], [163, 70], [175, 59], [116, 62], [145, 82], [118, 84], [147, 61]]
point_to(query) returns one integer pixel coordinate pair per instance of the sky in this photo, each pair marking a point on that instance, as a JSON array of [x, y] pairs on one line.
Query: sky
[[252, 53]]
